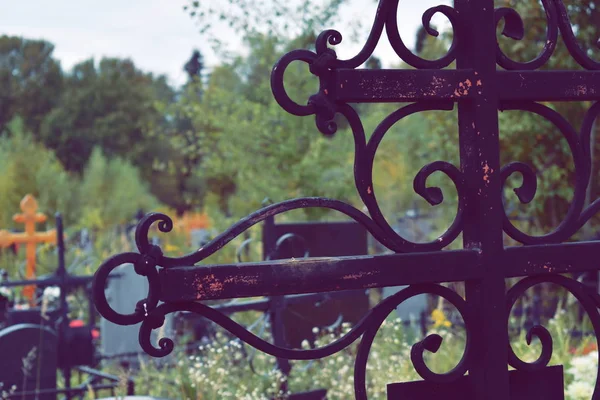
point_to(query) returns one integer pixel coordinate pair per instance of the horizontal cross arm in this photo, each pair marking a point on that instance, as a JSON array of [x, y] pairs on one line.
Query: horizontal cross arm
[[551, 259], [8, 239], [312, 275], [384, 85], [364, 85], [549, 85], [31, 218]]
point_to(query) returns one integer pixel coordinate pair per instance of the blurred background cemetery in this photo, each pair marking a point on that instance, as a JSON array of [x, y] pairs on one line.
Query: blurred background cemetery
[[105, 140]]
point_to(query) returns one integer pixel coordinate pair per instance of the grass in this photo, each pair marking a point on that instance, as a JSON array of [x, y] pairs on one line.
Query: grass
[[221, 370]]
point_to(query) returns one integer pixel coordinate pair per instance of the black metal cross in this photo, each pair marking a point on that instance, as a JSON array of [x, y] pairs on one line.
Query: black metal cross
[[480, 90]]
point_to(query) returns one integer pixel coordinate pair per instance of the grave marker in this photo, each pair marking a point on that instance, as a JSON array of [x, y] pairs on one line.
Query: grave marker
[[123, 292], [30, 238], [29, 359], [319, 239]]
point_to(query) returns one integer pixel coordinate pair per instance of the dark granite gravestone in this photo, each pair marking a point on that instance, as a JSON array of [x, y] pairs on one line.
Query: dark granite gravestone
[[320, 239], [544, 384], [27, 316], [28, 359]]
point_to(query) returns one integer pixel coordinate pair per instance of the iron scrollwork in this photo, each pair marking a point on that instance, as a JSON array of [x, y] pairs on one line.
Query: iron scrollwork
[[557, 19], [324, 105], [589, 300], [367, 328]]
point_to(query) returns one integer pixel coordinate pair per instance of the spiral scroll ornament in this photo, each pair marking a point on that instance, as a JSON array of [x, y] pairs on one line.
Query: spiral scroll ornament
[[589, 300], [579, 144], [367, 328]]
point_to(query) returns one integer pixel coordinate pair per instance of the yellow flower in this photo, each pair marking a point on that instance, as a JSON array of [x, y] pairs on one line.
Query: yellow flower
[[170, 247], [439, 319]]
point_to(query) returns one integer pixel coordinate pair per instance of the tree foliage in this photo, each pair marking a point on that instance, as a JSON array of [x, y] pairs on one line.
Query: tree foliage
[[274, 18], [109, 104], [222, 142], [238, 142], [30, 80], [108, 193], [111, 192], [27, 167]]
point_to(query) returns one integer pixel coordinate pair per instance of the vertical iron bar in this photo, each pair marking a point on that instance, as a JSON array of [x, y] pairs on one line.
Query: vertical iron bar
[[91, 308], [277, 303], [130, 387], [64, 308], [480, 164]]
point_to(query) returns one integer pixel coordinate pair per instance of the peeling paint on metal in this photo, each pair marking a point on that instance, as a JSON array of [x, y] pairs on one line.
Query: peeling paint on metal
[[358, 276], [208, 286], [463, 88]]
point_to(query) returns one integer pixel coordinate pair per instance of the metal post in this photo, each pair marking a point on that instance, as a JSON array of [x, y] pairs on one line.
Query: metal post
[[277, 303], [130, 387], [91, 308], [480, 164], [61, 273]]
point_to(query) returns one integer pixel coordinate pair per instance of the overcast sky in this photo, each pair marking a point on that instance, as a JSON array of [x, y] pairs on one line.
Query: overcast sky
[[157, 34]]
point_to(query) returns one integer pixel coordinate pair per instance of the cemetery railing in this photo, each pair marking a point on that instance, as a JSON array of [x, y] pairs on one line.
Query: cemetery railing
[[67, 336], [480, 90]]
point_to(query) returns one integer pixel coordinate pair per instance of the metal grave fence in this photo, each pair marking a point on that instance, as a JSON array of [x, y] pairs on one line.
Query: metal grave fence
[[36, 343]]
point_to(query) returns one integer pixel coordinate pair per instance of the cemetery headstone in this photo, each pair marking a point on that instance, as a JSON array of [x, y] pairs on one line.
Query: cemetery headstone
[[29, 360], [85, 241], [199, 237], [123, 292], [321, 239]]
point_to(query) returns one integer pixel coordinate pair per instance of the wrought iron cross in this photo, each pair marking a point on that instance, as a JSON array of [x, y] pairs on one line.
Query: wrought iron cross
[[480, 90]]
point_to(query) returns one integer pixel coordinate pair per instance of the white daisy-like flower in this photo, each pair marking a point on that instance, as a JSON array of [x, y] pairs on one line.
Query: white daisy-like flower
[[579, 390]]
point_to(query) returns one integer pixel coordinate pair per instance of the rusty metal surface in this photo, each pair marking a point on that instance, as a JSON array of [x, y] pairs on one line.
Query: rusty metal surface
[[270, 278]]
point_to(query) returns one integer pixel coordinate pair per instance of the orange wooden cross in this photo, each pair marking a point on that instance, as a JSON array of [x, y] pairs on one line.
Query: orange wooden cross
[[30, 238]]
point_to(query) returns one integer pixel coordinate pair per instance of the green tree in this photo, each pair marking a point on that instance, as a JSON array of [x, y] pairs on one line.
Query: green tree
[[31, 80], [184, 140], [266, 152], [109, 104]]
